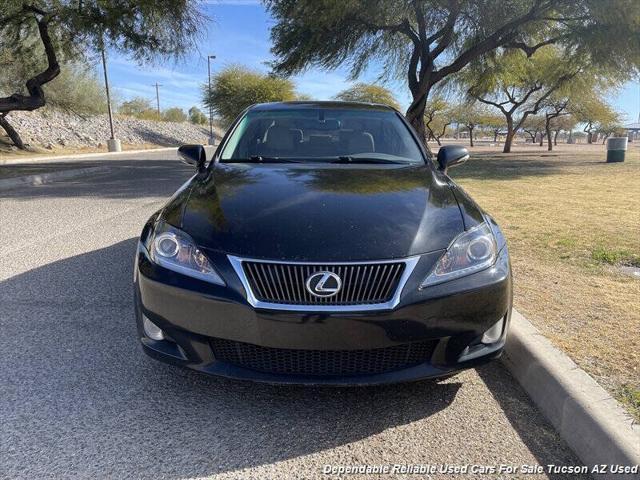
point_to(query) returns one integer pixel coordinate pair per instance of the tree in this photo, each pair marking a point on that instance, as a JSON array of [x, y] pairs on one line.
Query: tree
[[426, 41], [517, 85], [196, 116], [592, 111], [565, 123], [554, 109], [369, 93], [236, 88], [438, 115], [469, 114], [534, 126], [612, 126], [174, 114], [77, 89], [41, 34], [135, 107], [495, 124]]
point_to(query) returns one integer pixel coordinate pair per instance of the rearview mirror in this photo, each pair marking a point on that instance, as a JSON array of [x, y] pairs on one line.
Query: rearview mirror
[[193, 155], [451, 155]]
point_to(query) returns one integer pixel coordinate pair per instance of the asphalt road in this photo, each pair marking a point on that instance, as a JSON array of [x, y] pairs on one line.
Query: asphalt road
[[79, 399]]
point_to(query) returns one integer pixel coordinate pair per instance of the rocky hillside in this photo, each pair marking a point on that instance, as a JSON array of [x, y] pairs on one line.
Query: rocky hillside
[[48, 129]]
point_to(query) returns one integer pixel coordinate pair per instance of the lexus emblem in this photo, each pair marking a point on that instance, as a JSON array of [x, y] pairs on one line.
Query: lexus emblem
[[323, 284]]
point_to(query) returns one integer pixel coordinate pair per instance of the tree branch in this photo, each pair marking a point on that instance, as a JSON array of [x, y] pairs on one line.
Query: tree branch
[[446, 32], [36, 98], [501, 36], [530, 50]]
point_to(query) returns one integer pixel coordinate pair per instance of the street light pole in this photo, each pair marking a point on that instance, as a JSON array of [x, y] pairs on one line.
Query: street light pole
[[113, 145], [211, 140], [157, 85]]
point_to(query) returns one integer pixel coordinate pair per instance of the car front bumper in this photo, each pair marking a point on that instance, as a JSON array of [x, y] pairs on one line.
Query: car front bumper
[[213, 329]]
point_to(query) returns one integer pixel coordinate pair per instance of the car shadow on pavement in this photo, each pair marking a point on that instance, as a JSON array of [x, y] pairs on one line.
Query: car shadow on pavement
[[80, 399], [154, 178]]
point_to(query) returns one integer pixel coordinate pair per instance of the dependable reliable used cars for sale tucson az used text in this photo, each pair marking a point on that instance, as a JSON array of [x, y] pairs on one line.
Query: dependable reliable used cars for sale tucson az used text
[[322, 245]]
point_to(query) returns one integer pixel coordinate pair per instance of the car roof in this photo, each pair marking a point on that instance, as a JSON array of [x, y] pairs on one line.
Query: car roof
[[320, 104]]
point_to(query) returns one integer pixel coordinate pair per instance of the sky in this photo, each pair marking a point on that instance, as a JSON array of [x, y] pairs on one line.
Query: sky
[[238, 33]]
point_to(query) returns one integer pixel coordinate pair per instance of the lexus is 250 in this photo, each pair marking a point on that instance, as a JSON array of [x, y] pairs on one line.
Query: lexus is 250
[[322, 244]]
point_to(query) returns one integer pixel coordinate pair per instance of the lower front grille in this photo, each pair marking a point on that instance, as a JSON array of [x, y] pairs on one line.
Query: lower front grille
[[322, 362]]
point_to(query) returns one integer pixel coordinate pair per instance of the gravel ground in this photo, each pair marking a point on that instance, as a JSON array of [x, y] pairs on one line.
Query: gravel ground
[[51, 130], [80, 399]]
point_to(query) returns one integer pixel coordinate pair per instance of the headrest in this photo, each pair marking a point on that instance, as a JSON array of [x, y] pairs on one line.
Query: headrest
[[279, 138], [361, 142]]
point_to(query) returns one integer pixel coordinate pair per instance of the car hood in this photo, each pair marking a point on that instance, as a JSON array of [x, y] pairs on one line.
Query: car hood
[[322, 212]]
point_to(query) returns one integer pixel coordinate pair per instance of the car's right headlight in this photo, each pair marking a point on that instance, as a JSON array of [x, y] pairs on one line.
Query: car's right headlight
[[173, 249], [470, 252]]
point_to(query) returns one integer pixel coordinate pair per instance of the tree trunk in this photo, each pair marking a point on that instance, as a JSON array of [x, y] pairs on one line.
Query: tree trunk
[[589, 138], [495, 136], [510, 134], [470, 135], [13, 135], [555, 137], [541, 138], [415, 116], [36, 98], [549, 139], [418, 124]]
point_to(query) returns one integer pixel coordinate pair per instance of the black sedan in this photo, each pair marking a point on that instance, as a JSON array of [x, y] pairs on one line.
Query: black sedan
[[322, 244]]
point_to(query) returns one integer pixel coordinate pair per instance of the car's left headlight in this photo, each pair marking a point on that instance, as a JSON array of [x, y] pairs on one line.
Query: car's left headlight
[[173, 249], [470, 252]]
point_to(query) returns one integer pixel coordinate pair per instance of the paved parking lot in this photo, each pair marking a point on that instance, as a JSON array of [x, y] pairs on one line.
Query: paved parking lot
[[79, 399]]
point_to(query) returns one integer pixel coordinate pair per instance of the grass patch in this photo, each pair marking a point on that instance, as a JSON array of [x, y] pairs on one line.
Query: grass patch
[[615, 257], [567, 219], [630, 398]]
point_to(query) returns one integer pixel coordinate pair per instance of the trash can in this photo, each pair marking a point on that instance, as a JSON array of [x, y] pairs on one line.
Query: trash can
[[616, 149]]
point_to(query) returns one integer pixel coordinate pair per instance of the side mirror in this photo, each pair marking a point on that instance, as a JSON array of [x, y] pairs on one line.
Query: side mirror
[[193, 155], [451, 155]]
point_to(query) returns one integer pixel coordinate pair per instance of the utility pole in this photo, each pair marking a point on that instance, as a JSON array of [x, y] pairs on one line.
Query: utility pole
[[211, 140], [157, 85], [113, 144]]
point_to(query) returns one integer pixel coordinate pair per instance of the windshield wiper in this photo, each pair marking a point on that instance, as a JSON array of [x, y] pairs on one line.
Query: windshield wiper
[[260, 159], [348, 159]]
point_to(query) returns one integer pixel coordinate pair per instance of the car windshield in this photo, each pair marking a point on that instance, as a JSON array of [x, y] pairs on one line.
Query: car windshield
[[317, 134]]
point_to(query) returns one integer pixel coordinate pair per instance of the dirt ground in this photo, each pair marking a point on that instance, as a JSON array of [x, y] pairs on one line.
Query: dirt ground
[[573, 225]]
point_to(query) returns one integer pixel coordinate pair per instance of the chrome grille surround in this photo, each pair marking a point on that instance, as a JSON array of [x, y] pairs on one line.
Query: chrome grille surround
[[319, 305]]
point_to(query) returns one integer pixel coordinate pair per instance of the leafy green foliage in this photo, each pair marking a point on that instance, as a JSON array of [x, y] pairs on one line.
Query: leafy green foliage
[[135, 106], [438, 115], [144, 29], [595, 114], [236, 88], [196, 116], [426, 41], [43, 34], [369, 93], [174, 114], [77, 89]]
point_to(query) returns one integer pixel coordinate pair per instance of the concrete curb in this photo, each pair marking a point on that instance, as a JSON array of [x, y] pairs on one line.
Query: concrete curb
[[64, 158], [593, 423], [42, 178]]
